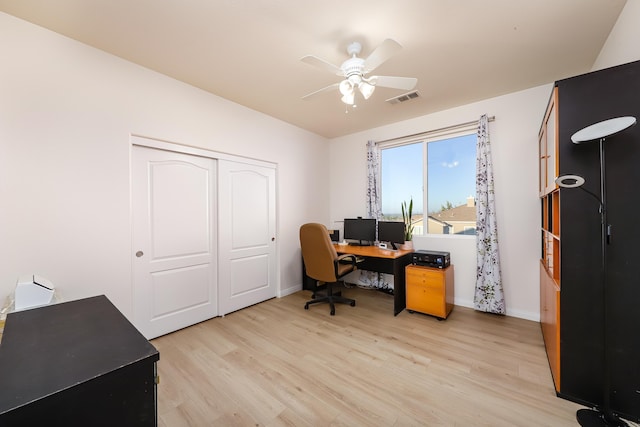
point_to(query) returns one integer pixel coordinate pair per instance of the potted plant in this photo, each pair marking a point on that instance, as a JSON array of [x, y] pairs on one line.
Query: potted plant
[[407, 217]]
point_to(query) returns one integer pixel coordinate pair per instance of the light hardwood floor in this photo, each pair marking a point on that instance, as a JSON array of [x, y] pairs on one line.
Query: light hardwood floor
[[276, 364]]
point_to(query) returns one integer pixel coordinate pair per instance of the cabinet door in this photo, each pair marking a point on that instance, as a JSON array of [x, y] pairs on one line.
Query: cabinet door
[[550, 321], [548, 147]]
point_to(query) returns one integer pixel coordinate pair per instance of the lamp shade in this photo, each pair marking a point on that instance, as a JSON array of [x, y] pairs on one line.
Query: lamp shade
[[348, 98], [569, 181], [603, 129], [345, 87], [366, 89]]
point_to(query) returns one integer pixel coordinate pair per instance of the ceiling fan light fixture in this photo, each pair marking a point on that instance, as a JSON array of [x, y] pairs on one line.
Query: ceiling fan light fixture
[[366, 89], [348, 98], [346, 87], [354, 70]]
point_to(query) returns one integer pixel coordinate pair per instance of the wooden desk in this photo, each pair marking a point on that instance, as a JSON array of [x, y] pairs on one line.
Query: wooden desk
[[78, 363], [372, 251], [382, 261]]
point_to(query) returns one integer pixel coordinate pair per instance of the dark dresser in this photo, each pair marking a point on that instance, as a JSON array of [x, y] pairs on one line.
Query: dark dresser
[[79, 363]]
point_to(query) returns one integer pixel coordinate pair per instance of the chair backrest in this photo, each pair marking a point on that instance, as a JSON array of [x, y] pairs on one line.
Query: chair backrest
[[318, 252]]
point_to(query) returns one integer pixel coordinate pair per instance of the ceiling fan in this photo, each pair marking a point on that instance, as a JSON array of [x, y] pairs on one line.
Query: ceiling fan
[[355, 69]]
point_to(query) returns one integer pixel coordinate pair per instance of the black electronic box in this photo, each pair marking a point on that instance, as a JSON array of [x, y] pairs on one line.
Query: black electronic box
[[431, 258]]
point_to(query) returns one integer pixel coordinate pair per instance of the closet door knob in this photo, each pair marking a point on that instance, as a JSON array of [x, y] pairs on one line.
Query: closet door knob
[[139, 254]]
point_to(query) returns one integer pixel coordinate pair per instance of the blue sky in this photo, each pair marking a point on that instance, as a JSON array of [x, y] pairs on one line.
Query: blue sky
[[451, 167]]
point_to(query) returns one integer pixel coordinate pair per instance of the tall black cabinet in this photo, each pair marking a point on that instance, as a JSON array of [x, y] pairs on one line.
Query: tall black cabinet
[[575, 272]]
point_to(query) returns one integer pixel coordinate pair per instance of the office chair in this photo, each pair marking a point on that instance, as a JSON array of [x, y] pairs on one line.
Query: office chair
[[323, 264]]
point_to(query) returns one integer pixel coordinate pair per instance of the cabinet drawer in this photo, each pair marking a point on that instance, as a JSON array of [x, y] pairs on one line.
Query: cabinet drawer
[[425, 277], [426, 299]]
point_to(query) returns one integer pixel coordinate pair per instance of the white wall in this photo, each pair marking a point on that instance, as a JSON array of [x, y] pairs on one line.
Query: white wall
[[622, 44], [66, 114], [515, 159]]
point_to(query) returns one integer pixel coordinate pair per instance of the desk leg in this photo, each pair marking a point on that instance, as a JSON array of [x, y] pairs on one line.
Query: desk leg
[[399, 289]]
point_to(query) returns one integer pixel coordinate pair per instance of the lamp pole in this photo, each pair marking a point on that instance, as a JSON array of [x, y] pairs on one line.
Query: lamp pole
[[605, 416]]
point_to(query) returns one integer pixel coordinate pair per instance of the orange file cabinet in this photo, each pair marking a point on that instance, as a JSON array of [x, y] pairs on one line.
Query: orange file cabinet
[[429, 290]]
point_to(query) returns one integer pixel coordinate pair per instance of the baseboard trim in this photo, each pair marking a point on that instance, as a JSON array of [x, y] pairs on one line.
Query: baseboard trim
[[288, 291], [526, 315]]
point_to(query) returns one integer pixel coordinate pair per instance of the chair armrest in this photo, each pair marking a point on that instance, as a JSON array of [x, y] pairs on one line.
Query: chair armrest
[[347, 259]]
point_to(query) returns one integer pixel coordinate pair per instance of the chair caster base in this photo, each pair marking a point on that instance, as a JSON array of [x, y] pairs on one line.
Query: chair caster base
[[331, 298]]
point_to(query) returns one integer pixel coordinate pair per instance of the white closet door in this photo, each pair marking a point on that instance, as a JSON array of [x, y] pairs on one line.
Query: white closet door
[[174, 240], [247, 231]]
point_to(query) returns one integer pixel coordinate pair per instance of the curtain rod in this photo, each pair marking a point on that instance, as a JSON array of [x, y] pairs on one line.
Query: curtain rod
[[452, 127]]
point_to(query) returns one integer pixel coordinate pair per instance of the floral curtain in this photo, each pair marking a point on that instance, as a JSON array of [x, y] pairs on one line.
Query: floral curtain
[[374, 208], [374, 205], [488, 294]]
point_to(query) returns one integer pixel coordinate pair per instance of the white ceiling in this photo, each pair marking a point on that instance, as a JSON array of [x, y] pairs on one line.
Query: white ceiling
[[249, 51]]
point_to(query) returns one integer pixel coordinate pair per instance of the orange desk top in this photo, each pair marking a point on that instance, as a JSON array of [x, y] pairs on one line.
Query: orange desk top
[[371, 251]]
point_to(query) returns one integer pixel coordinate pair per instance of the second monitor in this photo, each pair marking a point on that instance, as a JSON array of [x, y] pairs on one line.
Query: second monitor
[[391, 232]]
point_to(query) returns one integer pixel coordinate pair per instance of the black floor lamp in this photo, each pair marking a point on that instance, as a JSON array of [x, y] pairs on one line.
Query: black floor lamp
[[602, 416]]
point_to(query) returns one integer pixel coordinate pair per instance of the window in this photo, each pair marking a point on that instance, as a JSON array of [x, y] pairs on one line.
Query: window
[[445, 166]]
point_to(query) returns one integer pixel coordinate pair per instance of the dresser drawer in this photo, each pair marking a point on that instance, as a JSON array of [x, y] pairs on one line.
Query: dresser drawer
[[425, 299], [433, 278]]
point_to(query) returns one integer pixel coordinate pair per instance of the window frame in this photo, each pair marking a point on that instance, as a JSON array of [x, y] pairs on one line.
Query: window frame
[[426, 138]]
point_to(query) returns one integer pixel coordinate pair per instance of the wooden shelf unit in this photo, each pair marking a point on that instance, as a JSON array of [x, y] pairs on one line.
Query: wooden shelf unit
[[550, 237]]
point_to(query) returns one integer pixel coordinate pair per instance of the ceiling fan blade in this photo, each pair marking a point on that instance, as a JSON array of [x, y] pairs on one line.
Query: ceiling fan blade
[[383, 52], [324, 89], [405, 83], [322, 64]]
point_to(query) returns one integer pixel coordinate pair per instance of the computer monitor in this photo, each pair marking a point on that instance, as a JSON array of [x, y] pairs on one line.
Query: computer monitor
[[360, 231], [391, 232]]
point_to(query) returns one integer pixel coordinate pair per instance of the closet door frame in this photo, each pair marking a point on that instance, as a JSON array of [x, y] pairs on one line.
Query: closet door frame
[[150, 142]]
